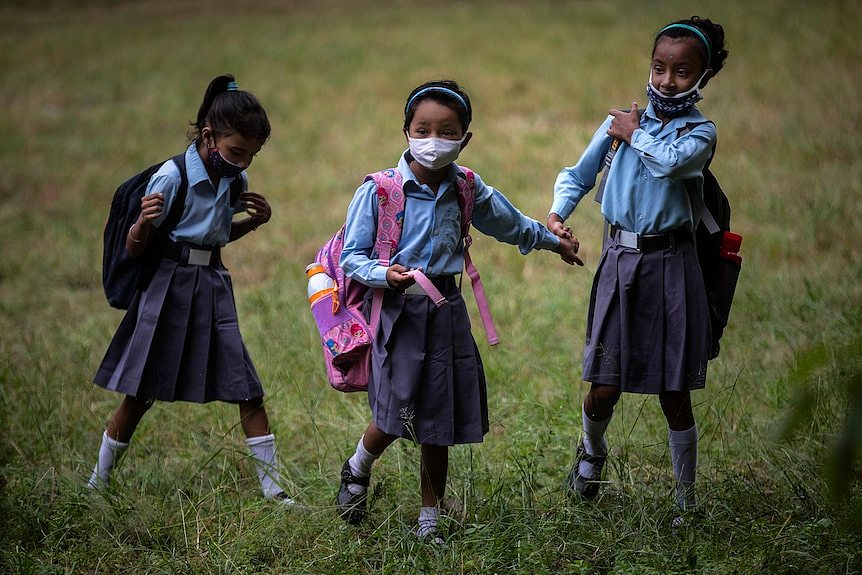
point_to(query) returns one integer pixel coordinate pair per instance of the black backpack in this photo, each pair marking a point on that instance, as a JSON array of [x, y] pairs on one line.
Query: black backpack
[[123, 275], [720, 269]]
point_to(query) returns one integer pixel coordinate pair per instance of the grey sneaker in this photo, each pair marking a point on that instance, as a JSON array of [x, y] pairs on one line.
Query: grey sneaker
[[351, 506]]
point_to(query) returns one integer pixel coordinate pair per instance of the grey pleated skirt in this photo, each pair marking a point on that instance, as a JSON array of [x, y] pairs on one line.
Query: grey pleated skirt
[[180, 341], [427, 380], [648, 325]]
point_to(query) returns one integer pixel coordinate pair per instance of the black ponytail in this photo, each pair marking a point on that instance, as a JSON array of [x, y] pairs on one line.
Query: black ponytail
[[228, 110]]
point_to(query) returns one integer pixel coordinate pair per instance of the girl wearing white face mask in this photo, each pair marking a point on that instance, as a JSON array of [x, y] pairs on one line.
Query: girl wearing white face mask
[[427, 382]]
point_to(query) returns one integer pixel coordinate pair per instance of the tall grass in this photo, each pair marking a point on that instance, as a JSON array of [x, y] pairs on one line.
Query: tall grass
[[95, 91]]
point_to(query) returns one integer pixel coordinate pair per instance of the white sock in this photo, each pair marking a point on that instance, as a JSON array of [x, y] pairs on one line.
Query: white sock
[[360, 465], [262, 450], [594, 442], [110, 453], [683, 455], [428, 517]]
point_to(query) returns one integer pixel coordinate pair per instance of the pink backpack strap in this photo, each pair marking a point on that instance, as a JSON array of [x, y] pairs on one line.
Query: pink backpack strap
[[466, 200]]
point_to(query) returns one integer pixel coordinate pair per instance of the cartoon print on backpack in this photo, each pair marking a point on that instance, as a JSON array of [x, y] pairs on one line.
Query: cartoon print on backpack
[[426, 382]]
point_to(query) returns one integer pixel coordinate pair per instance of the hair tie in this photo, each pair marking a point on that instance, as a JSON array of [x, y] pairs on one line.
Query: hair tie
[[700, 35], [452, 93], [232, 87]]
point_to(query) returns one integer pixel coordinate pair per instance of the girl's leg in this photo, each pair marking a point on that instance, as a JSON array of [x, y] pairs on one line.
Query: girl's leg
[[593, 449], [433, 469], [261, 444], [356, 473], [116, 438], [682, 441]]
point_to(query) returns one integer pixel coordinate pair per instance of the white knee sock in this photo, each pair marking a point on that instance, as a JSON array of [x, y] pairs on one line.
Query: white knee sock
[[683, 454], [360, 465], [428, 517], [263, 451], [594, 442], [110, 453]]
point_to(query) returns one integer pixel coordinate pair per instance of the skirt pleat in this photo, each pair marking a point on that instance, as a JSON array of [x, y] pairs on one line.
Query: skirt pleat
[[648, 322], [180, 341], [427, 382]]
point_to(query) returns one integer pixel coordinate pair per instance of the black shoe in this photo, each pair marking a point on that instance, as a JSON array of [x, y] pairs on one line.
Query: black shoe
[[582, 487], [351, 506]]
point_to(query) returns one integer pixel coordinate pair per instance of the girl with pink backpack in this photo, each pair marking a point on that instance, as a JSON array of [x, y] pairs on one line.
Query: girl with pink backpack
[[427, 382]]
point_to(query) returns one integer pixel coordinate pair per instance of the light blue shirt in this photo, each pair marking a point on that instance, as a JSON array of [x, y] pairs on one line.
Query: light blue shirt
[[207, 216], [645, 191], [431, 235]]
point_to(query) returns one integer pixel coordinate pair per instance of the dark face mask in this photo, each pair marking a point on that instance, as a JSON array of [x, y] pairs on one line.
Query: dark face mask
[[223, 167]]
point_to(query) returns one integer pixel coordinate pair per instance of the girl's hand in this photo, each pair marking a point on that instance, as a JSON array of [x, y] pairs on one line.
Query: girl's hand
[[624, 123], [257, 208], [151, 208], [556, 225], [398, 278], [568, 250]]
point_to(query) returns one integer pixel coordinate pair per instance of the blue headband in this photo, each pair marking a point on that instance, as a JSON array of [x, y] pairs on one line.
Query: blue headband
[[232, 87], [452, 93], [700, 35]]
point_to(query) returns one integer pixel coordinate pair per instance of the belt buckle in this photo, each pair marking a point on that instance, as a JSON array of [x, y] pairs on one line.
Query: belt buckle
[[199, 257], [628, 239]]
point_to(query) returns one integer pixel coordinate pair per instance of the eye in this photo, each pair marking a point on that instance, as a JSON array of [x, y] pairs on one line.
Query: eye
[[657, 68]]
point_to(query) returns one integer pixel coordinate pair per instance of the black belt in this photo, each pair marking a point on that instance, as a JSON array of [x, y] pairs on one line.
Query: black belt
[[192, 255], [649, 242]]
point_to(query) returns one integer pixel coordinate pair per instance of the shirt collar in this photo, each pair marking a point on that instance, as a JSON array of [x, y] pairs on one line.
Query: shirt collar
[[195, 169]]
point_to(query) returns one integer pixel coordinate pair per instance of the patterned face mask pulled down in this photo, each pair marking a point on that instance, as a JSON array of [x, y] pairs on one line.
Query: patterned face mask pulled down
[[678, 105]]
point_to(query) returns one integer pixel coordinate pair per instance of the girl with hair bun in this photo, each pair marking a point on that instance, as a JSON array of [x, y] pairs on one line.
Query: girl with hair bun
[[648, 328]]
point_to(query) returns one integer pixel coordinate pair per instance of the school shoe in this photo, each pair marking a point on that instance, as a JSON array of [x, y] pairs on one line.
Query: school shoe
[[582, 487], [430, 537], [351, 506]]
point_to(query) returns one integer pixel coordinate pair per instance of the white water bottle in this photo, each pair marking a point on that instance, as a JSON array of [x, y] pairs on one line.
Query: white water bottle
[[319, 284]]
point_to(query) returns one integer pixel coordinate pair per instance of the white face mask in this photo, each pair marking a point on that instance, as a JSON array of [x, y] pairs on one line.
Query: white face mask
[[434, 153]]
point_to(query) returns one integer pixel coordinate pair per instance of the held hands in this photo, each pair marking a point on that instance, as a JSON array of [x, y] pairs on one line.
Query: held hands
[[569, 245], [257, 208], [624, 123]]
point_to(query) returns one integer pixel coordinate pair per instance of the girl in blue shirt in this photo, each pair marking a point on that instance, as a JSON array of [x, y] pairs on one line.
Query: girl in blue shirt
[[648, 325], [427, 382], [179, 340]]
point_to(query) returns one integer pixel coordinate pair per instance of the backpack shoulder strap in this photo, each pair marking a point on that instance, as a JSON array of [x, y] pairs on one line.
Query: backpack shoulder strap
[[179, 204], [390, 213], [606, 165], [466, 201], [698, 206]]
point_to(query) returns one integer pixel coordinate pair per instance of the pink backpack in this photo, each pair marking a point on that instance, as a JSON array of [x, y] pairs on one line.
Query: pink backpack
[[345, 335]]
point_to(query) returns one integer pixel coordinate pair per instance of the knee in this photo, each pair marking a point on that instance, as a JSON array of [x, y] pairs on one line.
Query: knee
[[605, 395]]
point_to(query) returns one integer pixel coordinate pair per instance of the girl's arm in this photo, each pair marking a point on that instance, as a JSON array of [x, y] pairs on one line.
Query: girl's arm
[[574, 182], [138, 238], [680, 159], [360, 232], [259, 212]]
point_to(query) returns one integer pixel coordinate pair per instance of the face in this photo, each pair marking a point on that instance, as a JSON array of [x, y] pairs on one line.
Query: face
[[434, 120], [235, 148], [677, 65]]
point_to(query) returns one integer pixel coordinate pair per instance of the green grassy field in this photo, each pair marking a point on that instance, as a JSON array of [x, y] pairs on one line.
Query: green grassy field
[[95, 91]]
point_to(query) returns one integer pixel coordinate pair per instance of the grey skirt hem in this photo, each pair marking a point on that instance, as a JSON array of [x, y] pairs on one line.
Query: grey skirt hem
[[180, 341], [427, 379], [648, 325]]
